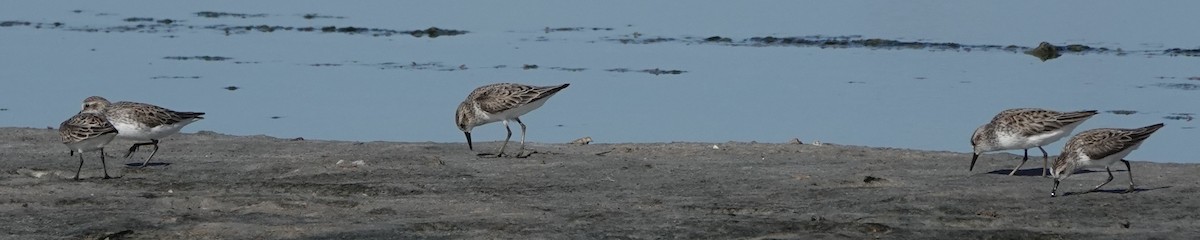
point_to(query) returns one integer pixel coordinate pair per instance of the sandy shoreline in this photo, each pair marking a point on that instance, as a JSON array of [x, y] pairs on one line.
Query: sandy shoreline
[[210, 185]]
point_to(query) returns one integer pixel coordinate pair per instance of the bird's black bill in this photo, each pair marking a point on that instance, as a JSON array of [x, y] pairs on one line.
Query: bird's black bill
[[1053, 191], [973, 158], [469, 145]]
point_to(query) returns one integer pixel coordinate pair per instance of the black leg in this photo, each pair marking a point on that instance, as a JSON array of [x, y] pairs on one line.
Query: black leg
[[132, 149], [80, 166], [104, 164], [507, 137], [155, 142], [1026, 158], [521, 150], [1045, 161], [502, 146], [1110, 178], [135, 147], [1130, 170]]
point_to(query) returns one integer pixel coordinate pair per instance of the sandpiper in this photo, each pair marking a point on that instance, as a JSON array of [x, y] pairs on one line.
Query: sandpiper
[[501, 102], [87, 131], [1024, 128], [1100, 147], [142, 122]]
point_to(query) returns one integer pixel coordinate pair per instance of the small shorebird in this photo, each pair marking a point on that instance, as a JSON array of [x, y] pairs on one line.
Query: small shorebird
[[87, 131], [1100, 147], [501, 102], [142, 122], [1024, 128]]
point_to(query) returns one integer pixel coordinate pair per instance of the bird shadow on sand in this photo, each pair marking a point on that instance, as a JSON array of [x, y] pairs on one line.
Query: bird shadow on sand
[[1037, 172], [153, 164], [1116, 190]]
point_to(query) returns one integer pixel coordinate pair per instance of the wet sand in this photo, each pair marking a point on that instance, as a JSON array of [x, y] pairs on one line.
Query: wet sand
[[210, 185]]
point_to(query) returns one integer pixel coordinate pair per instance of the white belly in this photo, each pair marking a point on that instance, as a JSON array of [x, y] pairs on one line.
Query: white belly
[[91, 144], [511, 113], [1109, 160], [140, 132], [1012, 141]]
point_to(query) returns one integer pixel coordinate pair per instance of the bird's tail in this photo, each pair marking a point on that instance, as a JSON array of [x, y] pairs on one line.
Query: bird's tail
[[190, 115], [1142, 133]]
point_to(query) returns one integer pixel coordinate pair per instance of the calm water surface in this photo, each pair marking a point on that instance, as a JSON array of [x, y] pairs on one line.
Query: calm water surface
[[403, 88]]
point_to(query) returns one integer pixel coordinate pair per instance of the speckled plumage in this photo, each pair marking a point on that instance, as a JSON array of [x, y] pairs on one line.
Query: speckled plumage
[[1100, 147], [1024, 128], [142, 122], [501, 102], [87, 131], [84, 126], [148, 115]]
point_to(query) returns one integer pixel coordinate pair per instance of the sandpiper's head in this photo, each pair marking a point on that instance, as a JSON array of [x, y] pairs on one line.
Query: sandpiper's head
[[464, 117], [1063, 166], [94, 104], [979, 144]]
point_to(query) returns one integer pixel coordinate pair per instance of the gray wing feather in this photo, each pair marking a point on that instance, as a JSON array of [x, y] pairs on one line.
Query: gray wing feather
[[1111, 141], [84, 126], [497, 98], [149, 114]]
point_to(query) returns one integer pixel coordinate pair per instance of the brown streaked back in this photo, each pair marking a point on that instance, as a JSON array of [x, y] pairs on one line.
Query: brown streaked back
[[496, 98], [148, 114], [84, 126]]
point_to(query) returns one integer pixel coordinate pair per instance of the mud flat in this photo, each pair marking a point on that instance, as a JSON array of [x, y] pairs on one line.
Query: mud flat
[[210, 185]]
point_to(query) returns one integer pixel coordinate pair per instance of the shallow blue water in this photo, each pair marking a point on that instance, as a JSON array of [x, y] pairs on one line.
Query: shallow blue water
[[365, 88]]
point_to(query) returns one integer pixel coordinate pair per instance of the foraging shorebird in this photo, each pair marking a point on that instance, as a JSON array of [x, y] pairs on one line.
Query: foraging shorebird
[[501, 102], [87, 131], [141, 122], [1025, 128], [1100, 147]]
